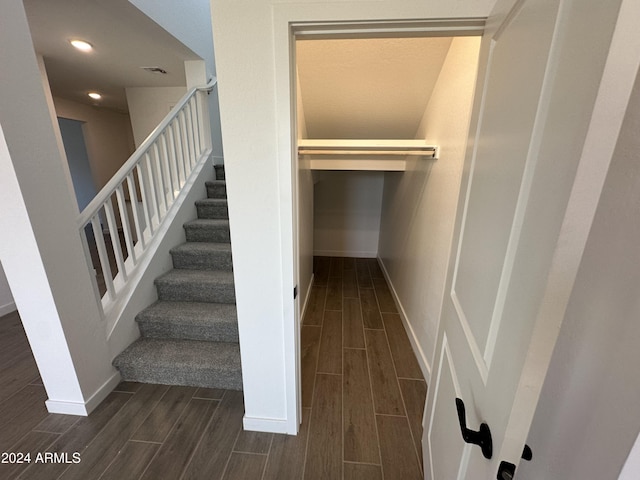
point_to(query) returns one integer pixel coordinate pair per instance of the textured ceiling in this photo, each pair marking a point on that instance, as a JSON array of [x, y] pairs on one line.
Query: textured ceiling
[[368, 88], [124, 40]]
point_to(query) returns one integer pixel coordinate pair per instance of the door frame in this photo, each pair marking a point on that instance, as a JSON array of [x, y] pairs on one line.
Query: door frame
[[287, 133]]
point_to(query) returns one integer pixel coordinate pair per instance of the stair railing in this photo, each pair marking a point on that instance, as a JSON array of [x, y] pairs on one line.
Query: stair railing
[[121, 222]]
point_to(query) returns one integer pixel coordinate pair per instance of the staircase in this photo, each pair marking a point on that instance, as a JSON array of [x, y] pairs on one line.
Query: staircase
[[190, 335]]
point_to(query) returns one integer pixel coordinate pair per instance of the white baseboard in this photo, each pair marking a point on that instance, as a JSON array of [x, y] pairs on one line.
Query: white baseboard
[[7, 308], [346, 254], [84, 408], [305, 304], [413, 339], [270, 425], [67, 408]]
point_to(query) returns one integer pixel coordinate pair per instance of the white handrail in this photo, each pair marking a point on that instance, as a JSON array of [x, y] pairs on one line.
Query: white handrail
[[133, 160], [135, 201]]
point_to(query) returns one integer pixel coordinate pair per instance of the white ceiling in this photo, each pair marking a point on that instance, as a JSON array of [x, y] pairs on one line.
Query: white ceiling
[[124, 40], [368, 88]]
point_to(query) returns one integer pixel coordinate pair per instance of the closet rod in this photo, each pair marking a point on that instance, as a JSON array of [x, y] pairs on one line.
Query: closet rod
[[304, 151]]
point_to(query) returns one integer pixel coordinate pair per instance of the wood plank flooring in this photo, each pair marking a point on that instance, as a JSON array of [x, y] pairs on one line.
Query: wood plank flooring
[[368, 395], [362, 394]]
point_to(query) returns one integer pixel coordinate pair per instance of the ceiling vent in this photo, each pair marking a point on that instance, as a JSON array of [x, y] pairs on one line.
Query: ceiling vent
[[156, 70]]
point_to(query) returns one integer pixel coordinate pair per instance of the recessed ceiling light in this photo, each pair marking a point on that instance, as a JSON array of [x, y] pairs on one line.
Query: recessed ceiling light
[[82, 45], [95, 95]]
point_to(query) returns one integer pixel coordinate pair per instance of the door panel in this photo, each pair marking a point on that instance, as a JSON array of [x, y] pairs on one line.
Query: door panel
[[504, 179], [444, 420], [512, 91]]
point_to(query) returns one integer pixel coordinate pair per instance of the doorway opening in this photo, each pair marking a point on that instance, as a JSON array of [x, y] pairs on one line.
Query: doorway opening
[[79, 165], [397, 216], [385, 87]]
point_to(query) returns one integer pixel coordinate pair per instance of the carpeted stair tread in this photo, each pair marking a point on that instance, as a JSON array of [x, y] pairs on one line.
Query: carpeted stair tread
[[213, 322], [181, 362], [219, 172], [211, 286], [212, 208], [202, 256], [208, 230], [216, 189]]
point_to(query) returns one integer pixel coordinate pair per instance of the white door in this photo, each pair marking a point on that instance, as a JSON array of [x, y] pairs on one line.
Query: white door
[[503, 280]]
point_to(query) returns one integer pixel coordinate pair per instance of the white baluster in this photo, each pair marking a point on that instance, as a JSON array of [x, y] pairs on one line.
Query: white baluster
[[103, 256], [175, 133], [145, 201], [161, 185], [205, 121], [124, 218], [194, 125], [176, 156], [152, 190], [133, 197], [192, 149], [175, 182], [184, 142], [115, 238]]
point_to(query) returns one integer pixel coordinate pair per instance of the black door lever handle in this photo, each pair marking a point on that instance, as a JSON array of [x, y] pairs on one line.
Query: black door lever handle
[[482, 437]]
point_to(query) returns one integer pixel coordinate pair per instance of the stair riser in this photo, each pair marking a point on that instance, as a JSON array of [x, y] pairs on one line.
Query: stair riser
[[209, 261], [213, 234], [213, 212], [219, 172], [217, 191], [187, 292], [187, 376], [227, 333]]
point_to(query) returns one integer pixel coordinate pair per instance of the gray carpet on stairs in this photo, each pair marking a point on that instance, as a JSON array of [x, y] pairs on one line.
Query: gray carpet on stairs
[[212, 208], [212, 286], [190, 335], [207, 230], [202, 256], [182, 362], [216, 189], [213, 322]]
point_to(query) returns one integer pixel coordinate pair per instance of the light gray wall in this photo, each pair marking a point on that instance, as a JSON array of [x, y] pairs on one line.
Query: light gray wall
[[347, 208], [148, 106], [419, 205], [588, 417], [107, 134]]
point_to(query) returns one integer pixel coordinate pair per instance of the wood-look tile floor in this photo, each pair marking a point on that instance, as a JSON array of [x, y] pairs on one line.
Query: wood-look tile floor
[[360, 378], [362, 390]]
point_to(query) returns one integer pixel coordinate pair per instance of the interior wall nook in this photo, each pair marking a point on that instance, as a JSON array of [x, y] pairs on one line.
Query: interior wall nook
[[390, 88]]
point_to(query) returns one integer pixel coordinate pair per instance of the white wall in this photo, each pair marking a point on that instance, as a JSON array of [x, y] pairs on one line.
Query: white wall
[[419, 206], [588, 417], [40, 248], [305, 210], [7, 305], [148, 106], [631, 468], [107, 135], [347, 207], [253, 56], [190, 22]]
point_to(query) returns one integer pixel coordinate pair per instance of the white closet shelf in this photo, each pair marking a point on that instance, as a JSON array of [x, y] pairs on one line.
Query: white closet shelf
[[377, 155]]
